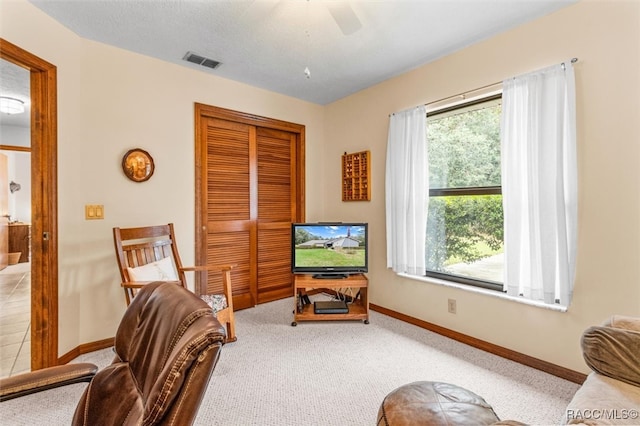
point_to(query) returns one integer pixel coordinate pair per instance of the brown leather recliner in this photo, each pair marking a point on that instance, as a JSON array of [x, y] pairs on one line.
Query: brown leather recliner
[[166, 348]]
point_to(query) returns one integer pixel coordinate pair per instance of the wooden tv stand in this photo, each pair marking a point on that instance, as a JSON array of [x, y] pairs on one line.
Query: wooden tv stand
[[358, 308]]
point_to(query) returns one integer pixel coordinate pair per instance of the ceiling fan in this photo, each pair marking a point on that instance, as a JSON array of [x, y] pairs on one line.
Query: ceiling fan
[[341, 11], [344, 16]]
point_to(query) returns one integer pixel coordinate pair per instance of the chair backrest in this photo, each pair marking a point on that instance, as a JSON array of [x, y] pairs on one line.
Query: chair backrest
[[166, 348], [140, 246]]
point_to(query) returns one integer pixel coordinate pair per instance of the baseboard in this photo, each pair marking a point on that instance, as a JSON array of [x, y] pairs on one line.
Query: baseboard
[[85, 349], [538, 364]]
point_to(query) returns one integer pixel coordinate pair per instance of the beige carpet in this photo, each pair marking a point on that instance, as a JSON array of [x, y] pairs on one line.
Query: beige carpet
[[332, 373]]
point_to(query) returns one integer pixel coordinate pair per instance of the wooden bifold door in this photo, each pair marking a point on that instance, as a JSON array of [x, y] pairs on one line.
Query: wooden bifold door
[[249, 188]]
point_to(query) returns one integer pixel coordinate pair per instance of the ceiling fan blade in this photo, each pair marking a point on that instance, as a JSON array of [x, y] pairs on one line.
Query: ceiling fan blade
[[344, 16]]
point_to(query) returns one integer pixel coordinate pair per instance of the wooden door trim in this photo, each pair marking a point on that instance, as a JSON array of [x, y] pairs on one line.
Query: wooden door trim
[[44, 204], [209, 111], [204, 112]]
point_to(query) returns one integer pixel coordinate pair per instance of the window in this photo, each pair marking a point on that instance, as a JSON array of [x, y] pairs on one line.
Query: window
[[465, 226]]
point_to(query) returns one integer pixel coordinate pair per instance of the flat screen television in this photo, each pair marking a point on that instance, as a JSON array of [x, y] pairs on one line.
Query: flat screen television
[[329, 249]]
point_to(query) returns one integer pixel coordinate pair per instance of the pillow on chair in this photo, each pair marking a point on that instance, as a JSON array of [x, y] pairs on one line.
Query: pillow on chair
[[161, 270]]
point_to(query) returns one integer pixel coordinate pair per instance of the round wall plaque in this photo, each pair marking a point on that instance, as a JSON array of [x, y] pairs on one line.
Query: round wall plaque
[[137, 165]]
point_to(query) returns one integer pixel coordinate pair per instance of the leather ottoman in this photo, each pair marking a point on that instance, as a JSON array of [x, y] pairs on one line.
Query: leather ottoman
[[434, 403]]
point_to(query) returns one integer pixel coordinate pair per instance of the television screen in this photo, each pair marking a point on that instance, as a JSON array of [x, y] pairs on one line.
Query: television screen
[[329, 249]]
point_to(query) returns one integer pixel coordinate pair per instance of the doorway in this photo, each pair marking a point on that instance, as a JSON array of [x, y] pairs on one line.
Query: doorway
[[44, 240], [15, 220]]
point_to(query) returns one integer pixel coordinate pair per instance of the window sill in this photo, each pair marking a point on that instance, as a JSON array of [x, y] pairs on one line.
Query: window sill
[[492, 293]]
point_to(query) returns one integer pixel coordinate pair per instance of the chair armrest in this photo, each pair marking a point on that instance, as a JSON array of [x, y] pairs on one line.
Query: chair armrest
[[47, 378], [613, 352], [140, 284], [207, 268]]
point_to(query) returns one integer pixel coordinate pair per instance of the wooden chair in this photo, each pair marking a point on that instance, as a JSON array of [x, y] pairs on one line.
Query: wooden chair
[[150, 253]]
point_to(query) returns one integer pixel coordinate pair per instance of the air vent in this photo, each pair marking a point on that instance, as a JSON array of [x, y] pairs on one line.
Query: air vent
[[201, 60]]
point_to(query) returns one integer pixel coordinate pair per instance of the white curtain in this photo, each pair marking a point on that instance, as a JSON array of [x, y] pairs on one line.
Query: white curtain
[[539, 184], [407, 191]]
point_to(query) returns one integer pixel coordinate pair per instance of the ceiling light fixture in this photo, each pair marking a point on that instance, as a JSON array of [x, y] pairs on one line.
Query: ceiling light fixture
[[11, 105]]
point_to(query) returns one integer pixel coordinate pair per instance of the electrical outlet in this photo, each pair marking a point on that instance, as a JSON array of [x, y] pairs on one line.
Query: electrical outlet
[[451, 304]]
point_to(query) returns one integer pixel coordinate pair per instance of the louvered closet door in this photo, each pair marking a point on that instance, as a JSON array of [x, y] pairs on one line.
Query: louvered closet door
[[250, 183], [276, 210], [230, 206]]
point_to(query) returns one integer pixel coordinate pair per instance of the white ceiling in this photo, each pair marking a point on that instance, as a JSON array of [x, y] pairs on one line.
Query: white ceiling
[[268, 43]]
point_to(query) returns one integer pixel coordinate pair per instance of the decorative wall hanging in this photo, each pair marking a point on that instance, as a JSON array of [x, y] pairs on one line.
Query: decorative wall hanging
[[356, 176], [137, 165]]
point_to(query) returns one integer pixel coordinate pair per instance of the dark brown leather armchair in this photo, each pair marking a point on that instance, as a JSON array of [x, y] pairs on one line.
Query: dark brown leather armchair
[[166, 348]]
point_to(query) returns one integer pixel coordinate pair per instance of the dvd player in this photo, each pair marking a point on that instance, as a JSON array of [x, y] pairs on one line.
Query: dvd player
[[330, 307]]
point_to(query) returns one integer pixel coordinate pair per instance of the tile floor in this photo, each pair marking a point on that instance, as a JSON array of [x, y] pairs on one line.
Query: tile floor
[[15, 319]]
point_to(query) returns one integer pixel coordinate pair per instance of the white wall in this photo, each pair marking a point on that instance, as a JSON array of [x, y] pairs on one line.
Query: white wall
[[19, 165], [109, 101], [18, 170], [605, 36]]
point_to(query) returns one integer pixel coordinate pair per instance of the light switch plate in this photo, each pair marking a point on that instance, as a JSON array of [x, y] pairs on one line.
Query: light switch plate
[[93, 211]]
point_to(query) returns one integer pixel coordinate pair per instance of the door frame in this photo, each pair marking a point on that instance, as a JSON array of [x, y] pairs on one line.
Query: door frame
[[44, 203], [202, 113]]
